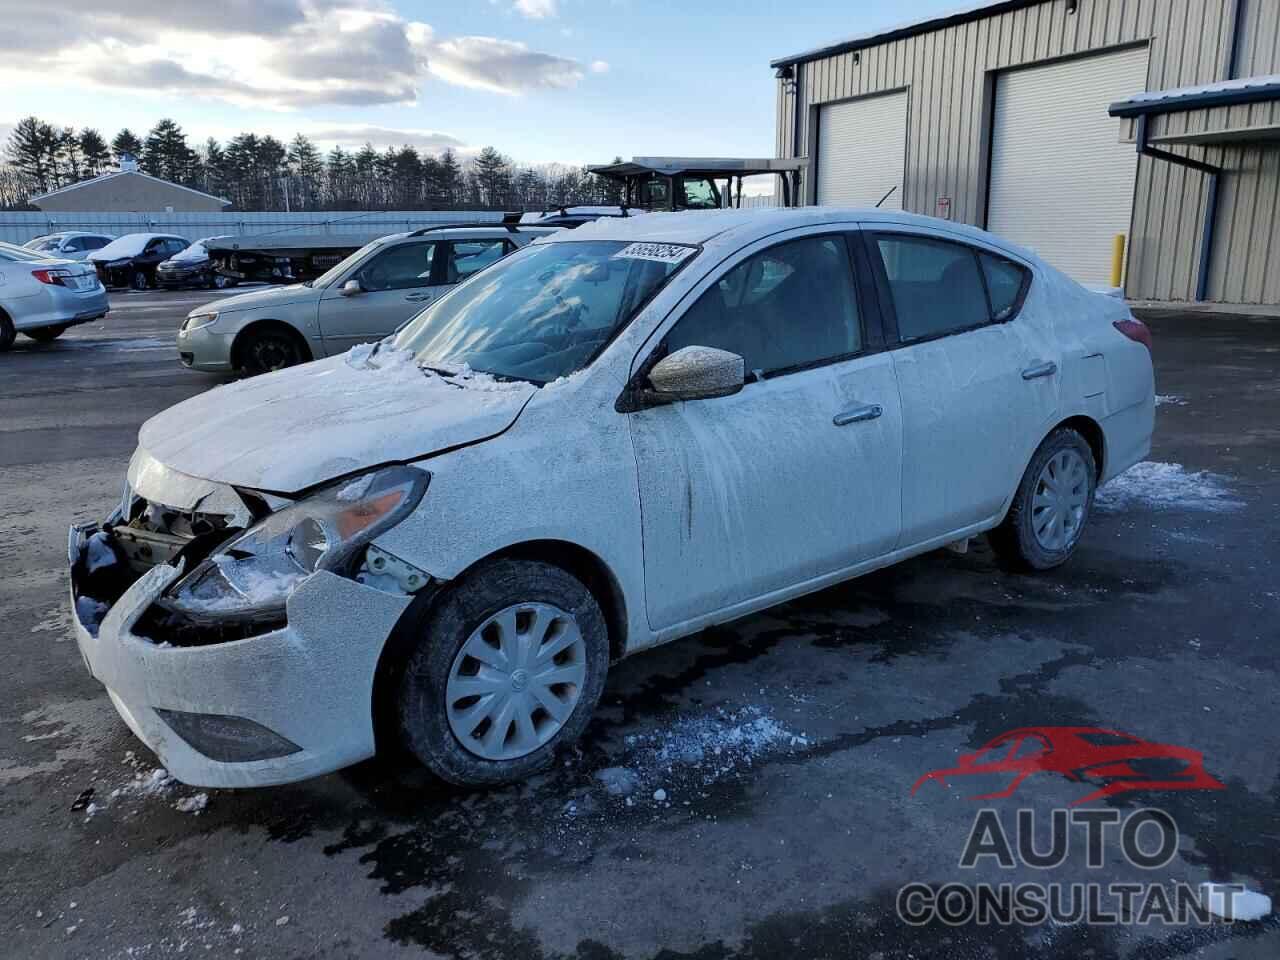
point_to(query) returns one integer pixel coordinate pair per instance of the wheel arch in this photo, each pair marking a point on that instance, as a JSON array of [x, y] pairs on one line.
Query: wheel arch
[[1093, 434], [571, 557], [256, 326]]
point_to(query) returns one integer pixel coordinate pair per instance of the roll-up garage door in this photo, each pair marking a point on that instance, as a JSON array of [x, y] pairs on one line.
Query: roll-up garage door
[[862, 147], [1061, 179]]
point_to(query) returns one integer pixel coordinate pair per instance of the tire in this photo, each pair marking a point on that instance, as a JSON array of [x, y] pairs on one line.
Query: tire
[[7, 333], [439, 633], [45, 334], [218, 282], [1044, 527], [139, 281], [270, 348]]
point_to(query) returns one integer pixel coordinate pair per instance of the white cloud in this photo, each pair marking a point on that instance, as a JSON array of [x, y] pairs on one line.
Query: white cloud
[[537, 9], [500, 66], [599, 66], [357, 135], [274, 54]]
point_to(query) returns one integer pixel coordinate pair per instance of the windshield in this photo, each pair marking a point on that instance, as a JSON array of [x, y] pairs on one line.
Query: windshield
[[543, 312], [342, 266], [12, 252]]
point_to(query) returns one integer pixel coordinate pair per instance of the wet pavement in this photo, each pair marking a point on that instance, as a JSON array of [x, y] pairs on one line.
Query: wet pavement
[[745, 793]]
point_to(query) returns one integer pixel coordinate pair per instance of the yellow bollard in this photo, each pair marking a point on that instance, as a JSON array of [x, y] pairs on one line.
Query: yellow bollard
[[1117, 260]]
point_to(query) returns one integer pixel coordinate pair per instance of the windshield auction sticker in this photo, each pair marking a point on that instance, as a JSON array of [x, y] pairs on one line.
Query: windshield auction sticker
[[661, 252]]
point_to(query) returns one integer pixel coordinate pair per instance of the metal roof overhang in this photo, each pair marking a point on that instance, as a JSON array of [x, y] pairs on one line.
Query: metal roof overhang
[[698, 166], [1226, 93]]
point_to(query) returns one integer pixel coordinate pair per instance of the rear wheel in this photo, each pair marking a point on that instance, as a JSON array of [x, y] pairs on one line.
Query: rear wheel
[[139, 281], [506, 669], [1051, 507], [7, 333], [45, 334], [270, 348]]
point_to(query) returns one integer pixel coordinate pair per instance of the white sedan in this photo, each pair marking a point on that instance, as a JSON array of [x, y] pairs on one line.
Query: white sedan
[[42, 295], [608, 440]]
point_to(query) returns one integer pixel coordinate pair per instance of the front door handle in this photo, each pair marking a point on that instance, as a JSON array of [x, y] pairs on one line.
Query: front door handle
[[1040, 370], [857, 414], [418, 297]]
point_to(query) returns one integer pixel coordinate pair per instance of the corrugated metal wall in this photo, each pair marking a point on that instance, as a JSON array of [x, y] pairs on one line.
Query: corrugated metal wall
[[19, 227], [950, 76]]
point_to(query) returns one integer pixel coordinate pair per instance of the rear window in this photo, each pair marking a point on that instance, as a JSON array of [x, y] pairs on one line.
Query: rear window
[[1006, 284]]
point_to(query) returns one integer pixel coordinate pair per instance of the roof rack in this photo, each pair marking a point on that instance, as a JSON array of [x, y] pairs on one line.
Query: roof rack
[[510, 222]]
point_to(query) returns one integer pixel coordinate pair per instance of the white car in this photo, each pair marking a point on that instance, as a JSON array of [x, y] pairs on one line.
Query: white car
[[69, 244], [608, 440], [41, 296]]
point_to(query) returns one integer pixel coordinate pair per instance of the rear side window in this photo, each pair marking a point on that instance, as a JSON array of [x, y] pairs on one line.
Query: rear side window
[[936, 286], [1006, 284], [790, 306], [93, 243], [471, 256]]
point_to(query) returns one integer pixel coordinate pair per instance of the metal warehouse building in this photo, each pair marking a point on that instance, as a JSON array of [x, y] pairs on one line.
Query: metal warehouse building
[[1060, 124]]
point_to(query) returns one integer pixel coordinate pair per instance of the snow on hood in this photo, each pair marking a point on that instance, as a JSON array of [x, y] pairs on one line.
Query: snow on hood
[[289, 430], [130, 245]]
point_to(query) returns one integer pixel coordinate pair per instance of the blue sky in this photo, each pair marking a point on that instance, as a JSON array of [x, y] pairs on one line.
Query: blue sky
[[542, 80]]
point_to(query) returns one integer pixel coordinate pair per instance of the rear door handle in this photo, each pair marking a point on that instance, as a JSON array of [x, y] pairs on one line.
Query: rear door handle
[[869, 411], [1040, 370]]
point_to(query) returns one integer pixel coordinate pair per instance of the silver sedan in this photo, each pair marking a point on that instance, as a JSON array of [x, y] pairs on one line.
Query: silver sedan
[[40, 296]]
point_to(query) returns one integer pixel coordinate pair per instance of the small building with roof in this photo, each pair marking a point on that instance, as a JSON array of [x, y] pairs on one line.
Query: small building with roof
[[128, 190]]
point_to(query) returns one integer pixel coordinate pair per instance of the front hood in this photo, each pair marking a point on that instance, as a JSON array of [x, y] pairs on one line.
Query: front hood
[[271, 296], [286, 431]]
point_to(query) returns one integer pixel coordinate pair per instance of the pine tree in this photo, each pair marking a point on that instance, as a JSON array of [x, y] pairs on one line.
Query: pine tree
[[492, 176], [165, 153], [126, 141], [94, 151], [33, 150], [449, 180]]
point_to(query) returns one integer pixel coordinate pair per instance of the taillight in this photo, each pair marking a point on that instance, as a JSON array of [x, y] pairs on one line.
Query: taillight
[[1135, 330], [55, 278]]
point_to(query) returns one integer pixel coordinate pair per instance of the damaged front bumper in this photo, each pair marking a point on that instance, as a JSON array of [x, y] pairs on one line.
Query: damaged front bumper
[[280, 706]]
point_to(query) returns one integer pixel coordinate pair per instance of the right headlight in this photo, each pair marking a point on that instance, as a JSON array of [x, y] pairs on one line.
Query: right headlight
[[198, 320], [252, 575]]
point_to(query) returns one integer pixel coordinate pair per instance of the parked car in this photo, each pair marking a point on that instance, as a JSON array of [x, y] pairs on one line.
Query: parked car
[[192, 268], [613, 438], [131, 260], [40, 295], [363, 298], [70, 244]]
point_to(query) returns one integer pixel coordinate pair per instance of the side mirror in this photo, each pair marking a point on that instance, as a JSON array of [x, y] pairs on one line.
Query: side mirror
[[351, 288], [697, 373]]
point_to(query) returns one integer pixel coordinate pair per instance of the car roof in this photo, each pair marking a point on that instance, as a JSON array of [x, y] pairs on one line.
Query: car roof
[[737, 228]]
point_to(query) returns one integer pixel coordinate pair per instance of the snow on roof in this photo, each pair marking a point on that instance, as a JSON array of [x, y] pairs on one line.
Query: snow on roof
[[1218, 93], [130, 245], [969, 11], [102, 178]]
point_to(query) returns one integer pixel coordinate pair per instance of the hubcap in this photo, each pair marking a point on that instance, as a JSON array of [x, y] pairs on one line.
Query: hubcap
[[274, 354], [516, 681], [1061, 501]]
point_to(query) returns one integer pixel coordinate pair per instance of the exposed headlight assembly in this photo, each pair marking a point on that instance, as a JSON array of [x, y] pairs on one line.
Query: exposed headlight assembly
[[251, 576]]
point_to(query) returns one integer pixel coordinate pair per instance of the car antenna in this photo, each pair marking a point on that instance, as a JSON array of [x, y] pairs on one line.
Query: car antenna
[[886, 196]]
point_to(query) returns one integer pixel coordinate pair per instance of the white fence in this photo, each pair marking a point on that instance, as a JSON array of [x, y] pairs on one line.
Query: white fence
[[21, 227]]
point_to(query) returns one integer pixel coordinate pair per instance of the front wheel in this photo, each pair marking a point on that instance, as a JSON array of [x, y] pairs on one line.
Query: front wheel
[[507, 668], [273, 348], [1051, 507], [139, 281], [45, 334]]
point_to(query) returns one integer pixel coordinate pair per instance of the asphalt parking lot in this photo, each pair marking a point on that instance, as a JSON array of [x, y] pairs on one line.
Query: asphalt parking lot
[[756, 791]]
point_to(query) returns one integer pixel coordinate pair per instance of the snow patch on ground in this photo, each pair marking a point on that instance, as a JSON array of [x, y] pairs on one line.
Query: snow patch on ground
[[1229, 902], [1168, 486], [1170, 400], [147, 784]]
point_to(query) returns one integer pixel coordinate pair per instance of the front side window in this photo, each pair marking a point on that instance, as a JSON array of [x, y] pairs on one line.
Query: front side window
[[935, 285], [471, 256], [789, 306], [545, 311], [401, 267]]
